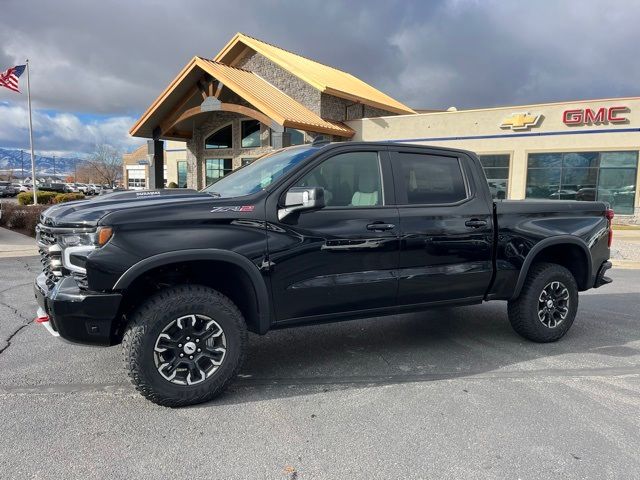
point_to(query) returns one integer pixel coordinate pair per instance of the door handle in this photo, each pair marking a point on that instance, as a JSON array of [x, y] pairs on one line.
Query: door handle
[[475, 223], [380, 226]]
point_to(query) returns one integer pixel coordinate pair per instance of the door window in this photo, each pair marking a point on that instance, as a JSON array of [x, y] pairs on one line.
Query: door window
[[429, 179], [182, 174], [349, 180]]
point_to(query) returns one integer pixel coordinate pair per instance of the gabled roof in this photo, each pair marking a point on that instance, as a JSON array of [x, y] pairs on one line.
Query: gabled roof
[[271, 101], [265, 98], [322, 77]]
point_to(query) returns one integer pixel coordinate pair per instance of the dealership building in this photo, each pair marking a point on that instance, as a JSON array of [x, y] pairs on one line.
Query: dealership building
[[254, 97], [136, 166]]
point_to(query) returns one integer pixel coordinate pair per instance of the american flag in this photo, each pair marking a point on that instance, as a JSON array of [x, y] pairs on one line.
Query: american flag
[[9, 78]]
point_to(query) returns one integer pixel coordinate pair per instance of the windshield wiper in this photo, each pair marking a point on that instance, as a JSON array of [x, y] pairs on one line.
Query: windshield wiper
[[214, 194]]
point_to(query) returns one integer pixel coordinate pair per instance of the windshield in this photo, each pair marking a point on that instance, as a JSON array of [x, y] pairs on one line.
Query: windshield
[[260, 174]]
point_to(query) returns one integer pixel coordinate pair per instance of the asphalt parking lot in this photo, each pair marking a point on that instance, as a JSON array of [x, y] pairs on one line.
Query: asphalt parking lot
[[447, 394]]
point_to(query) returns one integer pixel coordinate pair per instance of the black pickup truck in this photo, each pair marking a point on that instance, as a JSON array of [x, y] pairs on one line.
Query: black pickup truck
[[307, 234]]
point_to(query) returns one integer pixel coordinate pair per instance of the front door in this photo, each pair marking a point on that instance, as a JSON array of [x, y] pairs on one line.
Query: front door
[[341, 258], [446, 228]]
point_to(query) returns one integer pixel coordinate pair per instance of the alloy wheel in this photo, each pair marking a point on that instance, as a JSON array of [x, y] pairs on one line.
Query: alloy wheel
[[190, 349], [553, 304]]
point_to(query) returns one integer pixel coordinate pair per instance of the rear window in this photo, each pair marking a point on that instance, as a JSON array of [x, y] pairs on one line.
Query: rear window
[[429, 179]]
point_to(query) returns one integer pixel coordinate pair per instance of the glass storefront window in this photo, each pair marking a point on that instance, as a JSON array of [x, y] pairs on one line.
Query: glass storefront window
[[250, 133], [580, 160], [297, 136], [221, 138], [136, 183], [604, 176], [618, 187], [543, 182], [545, 160], [619, 159], [496, 169], [216, 168], [578, 183], [182, 174]]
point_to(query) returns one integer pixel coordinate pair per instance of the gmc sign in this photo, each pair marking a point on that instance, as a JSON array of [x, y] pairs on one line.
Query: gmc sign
[[589, 116]]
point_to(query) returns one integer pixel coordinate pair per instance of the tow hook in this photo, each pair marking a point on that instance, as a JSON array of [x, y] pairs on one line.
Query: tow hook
[[43, 319]]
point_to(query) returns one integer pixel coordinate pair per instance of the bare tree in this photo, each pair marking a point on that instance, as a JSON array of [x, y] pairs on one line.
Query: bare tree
[[106, 164]]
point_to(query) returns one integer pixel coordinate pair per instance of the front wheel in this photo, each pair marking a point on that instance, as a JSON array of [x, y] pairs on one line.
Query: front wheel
[[184, 344], [547, 305]]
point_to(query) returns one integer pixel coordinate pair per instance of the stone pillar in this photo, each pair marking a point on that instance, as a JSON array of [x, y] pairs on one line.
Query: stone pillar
[[194, 162], [156, 172], [279, 138]]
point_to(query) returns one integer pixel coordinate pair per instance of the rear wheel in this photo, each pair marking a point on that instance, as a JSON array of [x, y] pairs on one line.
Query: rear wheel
[[184, 344], [547, 305]]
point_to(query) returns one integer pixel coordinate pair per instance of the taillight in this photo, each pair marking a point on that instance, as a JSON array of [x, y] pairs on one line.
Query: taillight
[[609, 216]]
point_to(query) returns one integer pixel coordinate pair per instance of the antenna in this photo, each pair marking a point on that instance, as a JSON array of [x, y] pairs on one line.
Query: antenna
[[320, 140]]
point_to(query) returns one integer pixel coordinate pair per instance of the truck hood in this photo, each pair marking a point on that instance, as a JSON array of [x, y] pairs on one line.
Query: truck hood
[[86, 213]]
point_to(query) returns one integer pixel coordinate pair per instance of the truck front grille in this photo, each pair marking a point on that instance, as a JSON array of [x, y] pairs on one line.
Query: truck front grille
[[50, 254]]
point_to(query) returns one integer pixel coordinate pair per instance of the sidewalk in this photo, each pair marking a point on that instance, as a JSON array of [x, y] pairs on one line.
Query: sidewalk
[[625, 251], [14, 244]]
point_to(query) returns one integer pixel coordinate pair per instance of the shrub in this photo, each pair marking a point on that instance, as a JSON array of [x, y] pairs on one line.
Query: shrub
[[68, 197], [32, 217], [16, 220], [24, 218], [7, 211], [44, 198], [172, 185]]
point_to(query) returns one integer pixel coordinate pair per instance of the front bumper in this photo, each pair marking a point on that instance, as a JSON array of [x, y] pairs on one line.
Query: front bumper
[[77, 315]]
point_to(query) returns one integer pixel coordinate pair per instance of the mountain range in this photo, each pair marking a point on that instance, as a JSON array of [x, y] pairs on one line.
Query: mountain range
[[11, 160]]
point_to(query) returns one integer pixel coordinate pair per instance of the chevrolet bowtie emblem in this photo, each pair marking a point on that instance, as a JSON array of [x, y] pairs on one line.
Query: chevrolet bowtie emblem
[[520, 121]]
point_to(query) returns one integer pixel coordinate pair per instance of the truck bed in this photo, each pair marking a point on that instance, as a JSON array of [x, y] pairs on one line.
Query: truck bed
[[532, 226]]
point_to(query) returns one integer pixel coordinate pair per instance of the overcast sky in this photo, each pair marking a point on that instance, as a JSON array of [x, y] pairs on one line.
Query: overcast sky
[[97, 64]]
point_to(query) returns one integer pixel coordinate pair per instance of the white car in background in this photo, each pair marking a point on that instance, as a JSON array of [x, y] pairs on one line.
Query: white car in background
[[72, 187], [25, 187], [83, 187]]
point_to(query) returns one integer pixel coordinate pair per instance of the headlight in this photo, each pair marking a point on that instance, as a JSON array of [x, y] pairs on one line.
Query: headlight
[[76, 239], [90, 239], [77, 246]]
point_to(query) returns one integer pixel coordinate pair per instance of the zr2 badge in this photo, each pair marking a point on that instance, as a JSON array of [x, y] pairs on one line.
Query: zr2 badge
[[235, 208]]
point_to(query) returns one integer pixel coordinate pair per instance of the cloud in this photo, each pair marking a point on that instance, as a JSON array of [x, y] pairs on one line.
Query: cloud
[[489, 53], [63, 133]]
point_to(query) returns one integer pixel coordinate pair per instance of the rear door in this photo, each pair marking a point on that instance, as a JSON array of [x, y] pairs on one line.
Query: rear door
[[341, 258], [446, 228]]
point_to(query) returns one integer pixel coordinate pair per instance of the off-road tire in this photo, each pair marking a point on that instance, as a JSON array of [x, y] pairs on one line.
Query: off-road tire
[[523, 311], [148, 321]]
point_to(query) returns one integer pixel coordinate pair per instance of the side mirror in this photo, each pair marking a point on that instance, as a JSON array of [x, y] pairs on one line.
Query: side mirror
[[302, 198]]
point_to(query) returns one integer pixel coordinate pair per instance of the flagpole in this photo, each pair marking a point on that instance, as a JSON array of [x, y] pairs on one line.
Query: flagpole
[[33, 158]]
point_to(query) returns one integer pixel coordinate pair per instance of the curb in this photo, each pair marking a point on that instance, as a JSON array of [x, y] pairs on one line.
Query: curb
[[27, 252], [625, 264]]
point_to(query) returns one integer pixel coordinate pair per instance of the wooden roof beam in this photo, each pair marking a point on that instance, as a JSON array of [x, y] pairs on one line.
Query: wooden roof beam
[[175, 111], [224, 107]]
